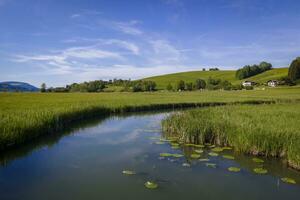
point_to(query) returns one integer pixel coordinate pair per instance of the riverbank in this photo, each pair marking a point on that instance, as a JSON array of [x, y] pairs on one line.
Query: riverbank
[[25, 116], [266, 130]]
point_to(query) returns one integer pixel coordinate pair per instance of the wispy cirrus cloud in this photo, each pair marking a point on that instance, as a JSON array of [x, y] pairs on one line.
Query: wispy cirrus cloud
[[68, 60], [128, 27], [127, 45]]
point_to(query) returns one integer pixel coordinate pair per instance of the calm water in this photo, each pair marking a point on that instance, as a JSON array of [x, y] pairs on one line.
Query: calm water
[[87, 163]]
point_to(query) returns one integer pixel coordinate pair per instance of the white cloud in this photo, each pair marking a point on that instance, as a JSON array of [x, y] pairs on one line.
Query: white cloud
[[75, 16], [128, 27], [132, 47], [165, 52]]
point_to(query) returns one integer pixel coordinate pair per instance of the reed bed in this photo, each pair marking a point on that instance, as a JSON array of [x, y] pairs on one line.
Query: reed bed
[[266, 130], [24, 116]]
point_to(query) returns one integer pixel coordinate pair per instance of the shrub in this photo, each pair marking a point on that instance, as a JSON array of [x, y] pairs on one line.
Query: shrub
[[169, 87], [200, 84], [180, 85], [189, 86]]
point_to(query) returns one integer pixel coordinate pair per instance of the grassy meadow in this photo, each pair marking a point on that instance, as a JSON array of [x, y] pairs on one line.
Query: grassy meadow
[[229, 75], [24, 116], [269, 130]]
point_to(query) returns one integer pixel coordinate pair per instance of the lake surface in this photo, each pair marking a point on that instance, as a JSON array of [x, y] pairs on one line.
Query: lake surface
[[86, 162]]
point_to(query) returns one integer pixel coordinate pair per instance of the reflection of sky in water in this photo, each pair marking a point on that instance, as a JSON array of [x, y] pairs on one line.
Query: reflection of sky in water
[[88, 164]]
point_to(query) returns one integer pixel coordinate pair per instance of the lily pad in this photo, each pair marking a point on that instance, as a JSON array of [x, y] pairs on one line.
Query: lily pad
[[228, 157], [159, 142], [234, 169], [227, 148], [260, 170], [204, 160], [217, 149], [213, 154], [288, 180], [151, 185], [128, 172], [212, 165], [195, 155], [177, 155], [198, 150], [212, 146], [199, 145], [258, 160], [165, 154], [186, 165], [175, 147]]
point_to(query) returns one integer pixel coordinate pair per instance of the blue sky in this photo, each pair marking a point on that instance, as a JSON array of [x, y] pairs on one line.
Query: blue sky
[[64, 41]]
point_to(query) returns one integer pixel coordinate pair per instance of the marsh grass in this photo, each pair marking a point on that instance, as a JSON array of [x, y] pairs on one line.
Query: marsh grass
[[266, 130], [24, 116]]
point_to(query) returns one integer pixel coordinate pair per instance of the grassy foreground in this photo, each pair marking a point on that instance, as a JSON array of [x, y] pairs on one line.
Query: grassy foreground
[[229, 75], [24, 116], [270, 130]]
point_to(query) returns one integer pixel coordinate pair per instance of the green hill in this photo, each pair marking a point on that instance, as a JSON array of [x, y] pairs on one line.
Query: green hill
[[163, 80]]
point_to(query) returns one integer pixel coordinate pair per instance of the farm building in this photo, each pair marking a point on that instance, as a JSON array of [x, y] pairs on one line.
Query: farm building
[[248, 83], [272, 83]]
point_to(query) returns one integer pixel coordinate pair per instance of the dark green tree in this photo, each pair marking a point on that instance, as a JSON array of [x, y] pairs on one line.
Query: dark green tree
[[43, 87], [180, 85], [200, 84], [189, 86], [294, 69], [169, 87]]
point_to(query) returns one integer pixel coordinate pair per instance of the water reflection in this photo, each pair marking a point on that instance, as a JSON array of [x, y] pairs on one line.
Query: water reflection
[[86, 162]]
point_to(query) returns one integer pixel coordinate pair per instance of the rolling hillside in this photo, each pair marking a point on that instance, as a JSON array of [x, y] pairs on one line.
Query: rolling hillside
[[163, 80]]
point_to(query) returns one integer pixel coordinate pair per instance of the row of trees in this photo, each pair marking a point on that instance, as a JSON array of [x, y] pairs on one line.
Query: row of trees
[[141, 86], [211, 84], [100, 85], [251, 70]]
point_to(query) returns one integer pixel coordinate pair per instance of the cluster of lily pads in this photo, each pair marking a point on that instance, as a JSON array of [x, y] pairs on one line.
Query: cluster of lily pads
[[214, 153]]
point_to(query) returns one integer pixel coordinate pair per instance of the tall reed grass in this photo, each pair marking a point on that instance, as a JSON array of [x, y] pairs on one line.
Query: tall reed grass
[[269, 130]]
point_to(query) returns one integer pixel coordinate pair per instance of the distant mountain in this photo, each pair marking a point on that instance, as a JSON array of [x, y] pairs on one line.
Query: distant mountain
[[13, 86]]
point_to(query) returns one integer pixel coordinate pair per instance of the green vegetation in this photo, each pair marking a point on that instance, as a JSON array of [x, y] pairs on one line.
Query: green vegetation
[[234, 169], [288, 180], [25, 116], [269, 130], [251, 70], [294, 70], [260, 170], [151, 185], [116, 85], [229, 75]]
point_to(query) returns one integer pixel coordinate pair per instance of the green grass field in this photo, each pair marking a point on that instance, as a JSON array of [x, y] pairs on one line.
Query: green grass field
[[24, 116], [163, 80], [270, 130]]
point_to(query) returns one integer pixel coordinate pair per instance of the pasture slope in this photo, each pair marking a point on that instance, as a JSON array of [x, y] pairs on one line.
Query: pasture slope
[[163, 80]]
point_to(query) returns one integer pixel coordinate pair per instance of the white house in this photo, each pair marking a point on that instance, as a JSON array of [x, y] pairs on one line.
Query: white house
[[248, 83], [272, 83]]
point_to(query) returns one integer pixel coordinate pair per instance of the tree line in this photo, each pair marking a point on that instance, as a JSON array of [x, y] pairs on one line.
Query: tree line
[[200, 84], [100, 86], [251, 70]]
